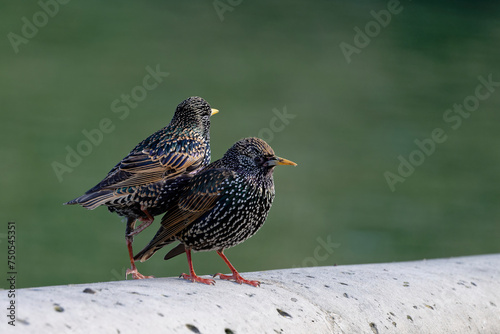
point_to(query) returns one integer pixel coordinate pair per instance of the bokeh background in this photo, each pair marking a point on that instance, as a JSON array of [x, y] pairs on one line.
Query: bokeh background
[[351, 122]]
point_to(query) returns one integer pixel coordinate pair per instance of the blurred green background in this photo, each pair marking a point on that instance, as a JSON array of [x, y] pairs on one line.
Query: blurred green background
[[352, 121]]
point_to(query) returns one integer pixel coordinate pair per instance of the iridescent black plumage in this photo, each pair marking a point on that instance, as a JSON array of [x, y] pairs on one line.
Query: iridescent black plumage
[[222, 206], [143, 183]]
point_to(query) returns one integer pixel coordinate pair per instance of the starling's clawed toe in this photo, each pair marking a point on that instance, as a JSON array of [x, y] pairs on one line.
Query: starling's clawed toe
[[195, 278], [238, 279], [136, 274], [235, 276]]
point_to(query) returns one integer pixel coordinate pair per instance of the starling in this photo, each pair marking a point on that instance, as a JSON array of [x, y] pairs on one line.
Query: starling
[[221, 206], [152, 174]]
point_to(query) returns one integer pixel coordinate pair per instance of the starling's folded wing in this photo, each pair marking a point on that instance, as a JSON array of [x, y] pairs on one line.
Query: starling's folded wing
[[203, 192], [149, 165], [141, 169], [155, 159]]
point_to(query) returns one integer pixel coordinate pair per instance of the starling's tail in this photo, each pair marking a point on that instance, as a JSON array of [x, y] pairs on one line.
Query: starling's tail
[[93, 200], [150, 250], [154, 245], [178, 250]]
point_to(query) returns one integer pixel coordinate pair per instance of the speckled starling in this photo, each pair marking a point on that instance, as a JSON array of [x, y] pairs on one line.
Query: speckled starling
[[142, 184], [223, 205]]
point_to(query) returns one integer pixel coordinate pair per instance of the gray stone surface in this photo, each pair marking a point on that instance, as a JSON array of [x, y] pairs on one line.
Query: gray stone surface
[[457, 295]]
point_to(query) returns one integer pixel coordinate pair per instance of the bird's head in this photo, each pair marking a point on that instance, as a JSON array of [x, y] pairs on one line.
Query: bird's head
[[253, 156], [194, 112]]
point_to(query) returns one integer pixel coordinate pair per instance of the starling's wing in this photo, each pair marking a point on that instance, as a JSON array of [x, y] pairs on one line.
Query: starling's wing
[[151, 165], [161, 159], [205, 189]]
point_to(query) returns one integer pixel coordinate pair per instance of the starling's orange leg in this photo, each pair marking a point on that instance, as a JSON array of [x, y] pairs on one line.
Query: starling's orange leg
[[235, 276], [129, 237], [192, 275]]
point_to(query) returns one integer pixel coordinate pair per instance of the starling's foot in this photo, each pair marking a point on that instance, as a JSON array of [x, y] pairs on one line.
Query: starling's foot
[[145, 224], [238, 279], [136, 274], [195, 278]]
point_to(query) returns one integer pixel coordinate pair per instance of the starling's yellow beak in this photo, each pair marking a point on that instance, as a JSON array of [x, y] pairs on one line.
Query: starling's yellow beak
[[214, 111], [274, 161]]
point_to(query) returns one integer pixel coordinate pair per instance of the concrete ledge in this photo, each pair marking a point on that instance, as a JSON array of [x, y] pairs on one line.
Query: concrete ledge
[[458, 295]]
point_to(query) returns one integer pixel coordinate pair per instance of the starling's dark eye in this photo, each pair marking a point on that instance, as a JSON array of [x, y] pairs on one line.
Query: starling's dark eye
[[258, 160]]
